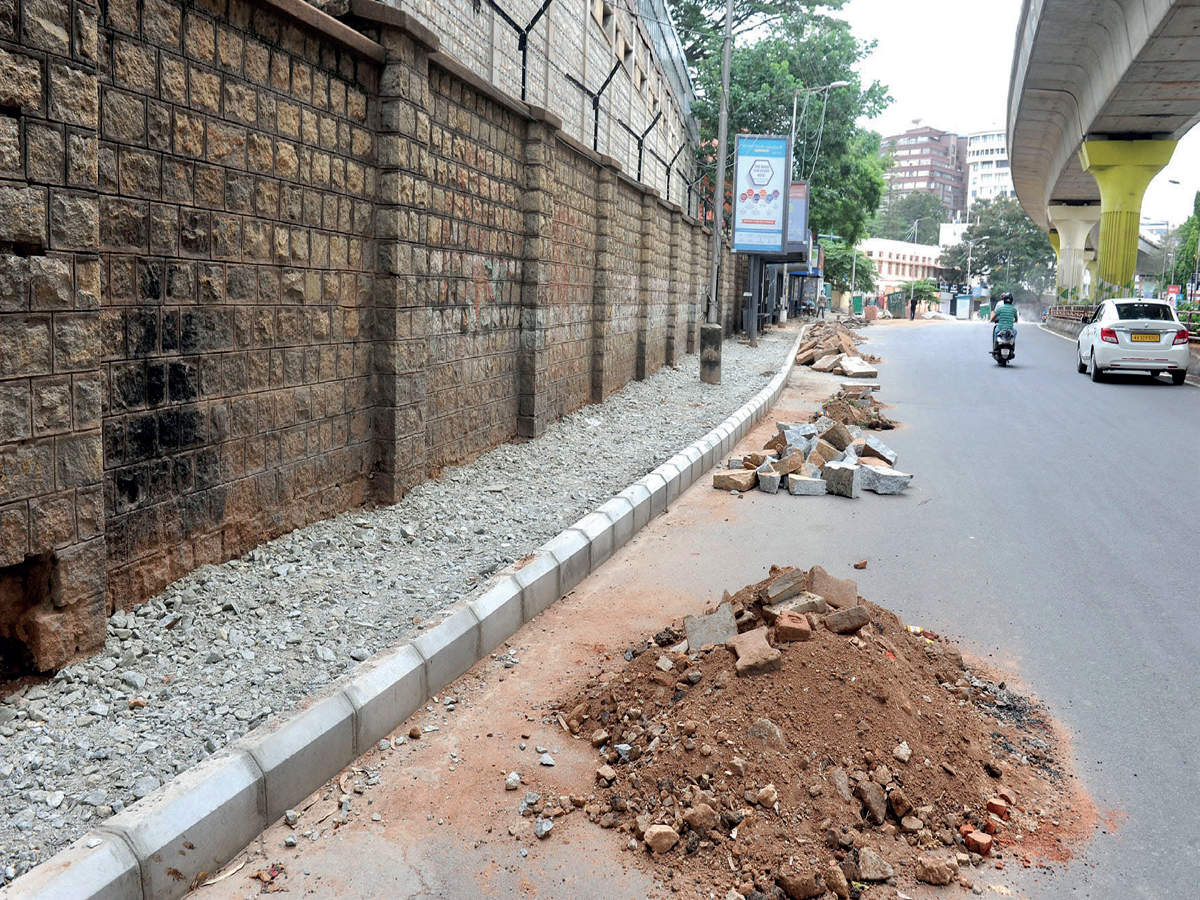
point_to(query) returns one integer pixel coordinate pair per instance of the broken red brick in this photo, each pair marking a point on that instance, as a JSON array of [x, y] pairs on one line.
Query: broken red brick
[[979, 842], [792, 626], [998, 806]]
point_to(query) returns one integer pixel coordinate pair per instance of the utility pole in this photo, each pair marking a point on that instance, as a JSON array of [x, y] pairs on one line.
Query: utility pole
[[710, 332]]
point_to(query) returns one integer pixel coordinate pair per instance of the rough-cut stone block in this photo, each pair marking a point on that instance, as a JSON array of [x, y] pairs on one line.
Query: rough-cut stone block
[[786, 585], [385, 691], [853, 367], [884, 479], [768, 479], [20, 81], [847, 620], [715, 628], [735, 480], [195, 823], [23, 216], [449, 649], [843, 479], [827, 363], [804, 486], [873, 446], [539, 584], [838, 435], [838, 592], [805, 602], [754, 654], [302, 751]]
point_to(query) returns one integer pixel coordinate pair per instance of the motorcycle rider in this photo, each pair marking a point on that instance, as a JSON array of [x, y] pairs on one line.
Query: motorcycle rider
[[1005, 317]]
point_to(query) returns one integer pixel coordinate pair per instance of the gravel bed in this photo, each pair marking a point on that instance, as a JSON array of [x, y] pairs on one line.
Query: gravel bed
[[227, 646]]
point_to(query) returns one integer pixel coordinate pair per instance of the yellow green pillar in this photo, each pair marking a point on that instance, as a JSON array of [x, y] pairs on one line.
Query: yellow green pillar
[[1123, 170]]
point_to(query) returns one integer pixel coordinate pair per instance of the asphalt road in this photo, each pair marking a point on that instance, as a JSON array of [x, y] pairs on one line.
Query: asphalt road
[[1052, 522], [1048, 527]]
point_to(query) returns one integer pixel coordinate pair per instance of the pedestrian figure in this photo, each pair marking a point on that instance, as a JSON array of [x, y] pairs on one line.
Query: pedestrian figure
[[912, 308]]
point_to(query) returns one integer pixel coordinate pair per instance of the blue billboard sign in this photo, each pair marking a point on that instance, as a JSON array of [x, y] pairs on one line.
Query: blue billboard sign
[[760, 193]]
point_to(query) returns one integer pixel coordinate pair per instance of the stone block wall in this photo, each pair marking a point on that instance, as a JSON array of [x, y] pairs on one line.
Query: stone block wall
[[259, 266]]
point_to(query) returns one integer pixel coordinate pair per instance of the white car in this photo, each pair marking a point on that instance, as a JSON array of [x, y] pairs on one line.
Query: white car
[[1134, 335]]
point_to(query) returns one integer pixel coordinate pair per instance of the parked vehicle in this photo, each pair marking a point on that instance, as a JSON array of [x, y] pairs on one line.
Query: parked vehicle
[[1133, 335], [1004, 346]]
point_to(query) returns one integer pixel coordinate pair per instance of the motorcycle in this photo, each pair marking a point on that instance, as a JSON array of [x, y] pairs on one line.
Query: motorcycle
[[1004, 346]]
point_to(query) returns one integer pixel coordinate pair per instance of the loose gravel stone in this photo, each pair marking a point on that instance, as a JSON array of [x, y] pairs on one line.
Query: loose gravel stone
[[227, 646]]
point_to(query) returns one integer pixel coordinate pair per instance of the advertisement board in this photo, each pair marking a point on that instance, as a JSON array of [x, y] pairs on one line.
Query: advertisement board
[[760, 187], [796, 236]]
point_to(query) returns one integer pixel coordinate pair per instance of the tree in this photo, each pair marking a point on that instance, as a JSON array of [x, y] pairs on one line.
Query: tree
[[840, 161], [701, 23], [924, 289], [840, 266], [896, 217], [1006, 248], [1185, 246]]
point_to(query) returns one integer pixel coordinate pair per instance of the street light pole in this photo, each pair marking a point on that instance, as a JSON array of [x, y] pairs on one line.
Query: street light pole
[[710, 332]]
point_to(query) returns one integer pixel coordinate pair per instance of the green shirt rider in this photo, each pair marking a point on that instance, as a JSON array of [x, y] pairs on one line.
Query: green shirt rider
[[1005, 315]]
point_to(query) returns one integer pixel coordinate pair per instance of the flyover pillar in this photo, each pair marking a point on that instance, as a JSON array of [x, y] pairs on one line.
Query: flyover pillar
[[1073, 224], [1123, 170]]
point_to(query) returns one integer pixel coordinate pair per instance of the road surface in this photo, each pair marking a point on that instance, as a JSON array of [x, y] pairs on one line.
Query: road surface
[[1049, 528]]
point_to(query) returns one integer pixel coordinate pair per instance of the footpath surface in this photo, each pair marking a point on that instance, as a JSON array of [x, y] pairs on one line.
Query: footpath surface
[[433, 817]]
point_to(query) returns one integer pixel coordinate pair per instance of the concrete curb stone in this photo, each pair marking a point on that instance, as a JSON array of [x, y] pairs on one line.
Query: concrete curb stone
[[219, 805], [500, 613], [302, 751], [538, 579], [449, 649], [195, 822], [620, 512], [107, 871], [572, 550], [388, 689]]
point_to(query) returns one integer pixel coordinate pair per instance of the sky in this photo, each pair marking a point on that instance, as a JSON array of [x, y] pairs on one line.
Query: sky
[[948, 62]]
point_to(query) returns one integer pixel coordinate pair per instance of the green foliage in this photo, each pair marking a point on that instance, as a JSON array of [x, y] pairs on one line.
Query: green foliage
[[840, 265], [701, 23], [923, 289], [768, 66], [1009, 250], [896, 217]]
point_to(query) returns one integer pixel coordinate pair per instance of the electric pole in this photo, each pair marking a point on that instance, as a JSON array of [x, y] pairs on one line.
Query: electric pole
[[711, 331]]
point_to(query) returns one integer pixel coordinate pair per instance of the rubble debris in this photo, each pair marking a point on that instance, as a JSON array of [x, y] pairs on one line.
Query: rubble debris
[[715, 628], [850, 757], [857, 408], [833, 347], [829, 455]]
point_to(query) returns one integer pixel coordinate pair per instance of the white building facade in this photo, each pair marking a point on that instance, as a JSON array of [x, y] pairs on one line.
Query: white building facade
[[988, 172], [899, 262]]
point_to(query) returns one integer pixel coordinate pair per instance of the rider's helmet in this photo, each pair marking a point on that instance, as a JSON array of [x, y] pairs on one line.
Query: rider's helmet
[[1006, 297]]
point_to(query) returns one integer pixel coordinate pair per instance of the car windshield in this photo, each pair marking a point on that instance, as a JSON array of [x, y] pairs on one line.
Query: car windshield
[[1157, 311]]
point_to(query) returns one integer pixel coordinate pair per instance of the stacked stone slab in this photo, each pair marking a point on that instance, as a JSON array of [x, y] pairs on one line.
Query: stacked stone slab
[[814, 459], [832, 347]]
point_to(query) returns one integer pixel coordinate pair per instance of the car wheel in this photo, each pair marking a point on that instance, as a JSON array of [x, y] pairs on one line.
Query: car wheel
[[1080, 365], [1097, 375], [1178, 377]]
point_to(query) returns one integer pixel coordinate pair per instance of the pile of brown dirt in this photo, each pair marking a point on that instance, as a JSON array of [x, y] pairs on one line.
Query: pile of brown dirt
[[855, 407], [864, 761]]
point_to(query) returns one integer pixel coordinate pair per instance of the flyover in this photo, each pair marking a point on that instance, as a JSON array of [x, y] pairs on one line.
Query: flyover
[[1100, 92]]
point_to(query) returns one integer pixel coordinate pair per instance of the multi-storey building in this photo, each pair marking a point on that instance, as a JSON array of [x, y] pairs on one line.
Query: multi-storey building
[[625, 52], [929, 160], [988, 172], [899, 262]]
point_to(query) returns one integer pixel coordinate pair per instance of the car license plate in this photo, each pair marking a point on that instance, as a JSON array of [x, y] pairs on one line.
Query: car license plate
[[1144, 337]]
